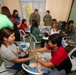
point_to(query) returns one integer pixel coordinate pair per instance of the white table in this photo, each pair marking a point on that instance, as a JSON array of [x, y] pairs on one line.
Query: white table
[[42, 29]]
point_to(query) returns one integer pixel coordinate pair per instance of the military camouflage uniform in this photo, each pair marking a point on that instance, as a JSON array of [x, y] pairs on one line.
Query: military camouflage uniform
[[70, 31], [34, 17], [47, 20]]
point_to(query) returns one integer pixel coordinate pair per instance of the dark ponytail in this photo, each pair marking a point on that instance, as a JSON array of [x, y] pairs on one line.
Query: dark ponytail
[[34, 24], [5, 32]]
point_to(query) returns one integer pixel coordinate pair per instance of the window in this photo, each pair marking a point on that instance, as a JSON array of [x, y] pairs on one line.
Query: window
[[28, 6]]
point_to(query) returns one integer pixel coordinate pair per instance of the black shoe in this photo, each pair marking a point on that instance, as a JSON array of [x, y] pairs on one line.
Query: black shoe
[[24, 73]]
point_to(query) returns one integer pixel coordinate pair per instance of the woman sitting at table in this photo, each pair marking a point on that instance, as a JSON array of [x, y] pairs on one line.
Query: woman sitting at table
[[54, 29], [35, 31]]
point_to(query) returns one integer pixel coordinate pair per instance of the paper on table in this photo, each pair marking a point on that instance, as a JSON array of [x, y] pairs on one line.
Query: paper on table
[[46, 38]]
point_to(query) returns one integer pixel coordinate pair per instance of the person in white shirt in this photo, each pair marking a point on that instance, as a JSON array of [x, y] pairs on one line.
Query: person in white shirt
[[54, 29]]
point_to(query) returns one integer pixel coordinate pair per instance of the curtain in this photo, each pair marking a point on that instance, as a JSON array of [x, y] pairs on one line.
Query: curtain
[[59, 9], [13, 4]]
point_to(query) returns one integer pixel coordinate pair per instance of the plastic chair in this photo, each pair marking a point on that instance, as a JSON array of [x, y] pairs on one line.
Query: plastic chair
[[22, 34], [5, 71], [3, 68], [32, 38], [73, 59]]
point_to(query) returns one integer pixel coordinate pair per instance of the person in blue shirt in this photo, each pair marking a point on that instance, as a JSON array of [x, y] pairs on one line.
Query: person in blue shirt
[[16, 15]]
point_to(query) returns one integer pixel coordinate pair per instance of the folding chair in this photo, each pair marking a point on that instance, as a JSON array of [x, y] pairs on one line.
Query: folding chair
[[73, 59], [5, 71], [32, 38], [23, 34]]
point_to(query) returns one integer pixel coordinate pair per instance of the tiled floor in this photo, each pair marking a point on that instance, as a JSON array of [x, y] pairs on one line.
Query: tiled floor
[[37, 46]]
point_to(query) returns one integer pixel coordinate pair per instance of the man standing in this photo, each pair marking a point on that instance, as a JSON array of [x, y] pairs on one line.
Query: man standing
[[35, 16]]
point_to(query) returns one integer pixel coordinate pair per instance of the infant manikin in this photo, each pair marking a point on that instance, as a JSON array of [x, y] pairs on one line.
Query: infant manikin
[[39, 66]]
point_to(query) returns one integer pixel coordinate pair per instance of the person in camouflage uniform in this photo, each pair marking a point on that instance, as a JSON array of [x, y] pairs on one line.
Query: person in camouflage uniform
[[35, 16], [70, 28], [47, 19]]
